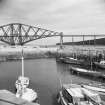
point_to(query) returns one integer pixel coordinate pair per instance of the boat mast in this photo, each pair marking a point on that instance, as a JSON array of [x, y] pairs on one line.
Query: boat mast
[[22, 63]]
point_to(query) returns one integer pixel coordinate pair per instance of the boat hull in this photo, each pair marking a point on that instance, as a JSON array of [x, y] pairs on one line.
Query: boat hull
[[85, 72], [70, 61]]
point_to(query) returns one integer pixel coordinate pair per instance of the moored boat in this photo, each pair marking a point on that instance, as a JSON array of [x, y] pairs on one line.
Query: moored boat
[[73, 94], [70, 60], [23, 91], [81, 71]]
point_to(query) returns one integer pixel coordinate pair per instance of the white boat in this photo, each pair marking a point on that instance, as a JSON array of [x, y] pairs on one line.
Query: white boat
[[73, 94], [22, 87]]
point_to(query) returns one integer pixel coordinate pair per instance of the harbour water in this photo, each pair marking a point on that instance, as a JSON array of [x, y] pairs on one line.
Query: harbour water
[[46, 77]]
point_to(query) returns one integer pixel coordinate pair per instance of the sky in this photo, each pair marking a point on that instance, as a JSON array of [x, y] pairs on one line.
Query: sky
[[67, 16]]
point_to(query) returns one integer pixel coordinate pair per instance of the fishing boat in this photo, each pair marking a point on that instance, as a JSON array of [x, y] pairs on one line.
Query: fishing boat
[[73, 94], [81, 71], [23, 91]]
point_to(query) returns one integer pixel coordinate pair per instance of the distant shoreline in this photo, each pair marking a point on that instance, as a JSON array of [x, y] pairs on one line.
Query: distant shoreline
[[12, 53]]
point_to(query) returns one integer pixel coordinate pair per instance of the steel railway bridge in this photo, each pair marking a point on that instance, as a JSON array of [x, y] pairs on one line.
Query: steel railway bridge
[[19, 34]]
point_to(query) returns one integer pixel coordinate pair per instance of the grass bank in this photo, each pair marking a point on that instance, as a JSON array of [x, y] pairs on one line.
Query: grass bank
[[81, 52]]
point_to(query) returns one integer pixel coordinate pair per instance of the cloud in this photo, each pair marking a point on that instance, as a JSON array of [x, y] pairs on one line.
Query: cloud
[[67, 16]]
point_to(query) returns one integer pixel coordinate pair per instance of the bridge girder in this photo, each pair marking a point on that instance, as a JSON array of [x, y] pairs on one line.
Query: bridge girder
[[19, 34]]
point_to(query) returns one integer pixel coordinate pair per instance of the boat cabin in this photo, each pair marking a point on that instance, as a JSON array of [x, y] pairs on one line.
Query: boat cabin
[[75, 95]]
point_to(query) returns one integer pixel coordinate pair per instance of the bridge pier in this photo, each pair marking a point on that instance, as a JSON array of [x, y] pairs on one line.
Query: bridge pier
[[12, 36], [20, 33]]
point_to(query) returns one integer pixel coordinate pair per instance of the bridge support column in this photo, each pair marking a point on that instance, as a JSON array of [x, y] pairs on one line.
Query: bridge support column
[[20, 34], [61, 40], [12, 37]]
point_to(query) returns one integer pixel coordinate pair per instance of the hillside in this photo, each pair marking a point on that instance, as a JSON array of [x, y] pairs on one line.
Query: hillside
[[100, 41]]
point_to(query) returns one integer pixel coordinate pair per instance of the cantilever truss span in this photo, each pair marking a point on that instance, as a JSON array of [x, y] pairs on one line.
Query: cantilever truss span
[[19, 34]]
